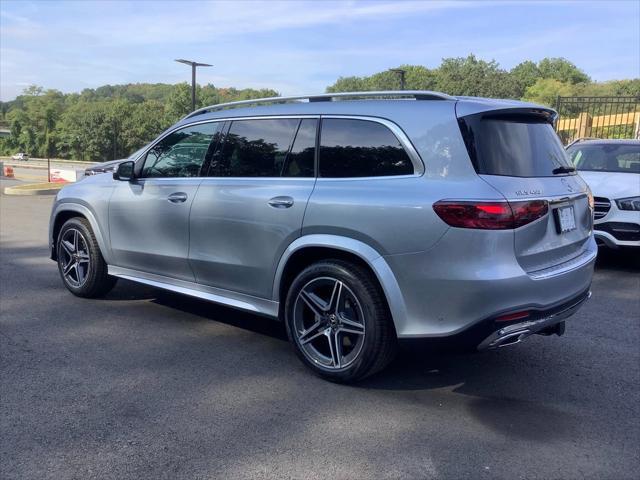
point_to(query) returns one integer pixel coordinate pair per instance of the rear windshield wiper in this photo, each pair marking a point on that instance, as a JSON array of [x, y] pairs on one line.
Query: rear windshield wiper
[[559, 170]]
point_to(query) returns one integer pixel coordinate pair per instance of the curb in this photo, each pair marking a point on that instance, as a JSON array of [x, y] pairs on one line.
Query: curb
[[34, 189]]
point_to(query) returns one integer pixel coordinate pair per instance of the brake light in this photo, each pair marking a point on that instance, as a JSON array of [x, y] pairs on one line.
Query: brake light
[[490, 215]]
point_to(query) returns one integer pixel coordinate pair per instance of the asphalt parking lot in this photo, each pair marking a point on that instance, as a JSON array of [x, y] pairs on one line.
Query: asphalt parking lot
[[146, 384]]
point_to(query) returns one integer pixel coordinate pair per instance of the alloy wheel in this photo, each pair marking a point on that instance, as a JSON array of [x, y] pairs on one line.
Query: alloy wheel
[[74, 257], [329, 323]]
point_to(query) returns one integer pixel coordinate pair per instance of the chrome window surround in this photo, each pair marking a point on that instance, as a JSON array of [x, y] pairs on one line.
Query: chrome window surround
[[418, 166]]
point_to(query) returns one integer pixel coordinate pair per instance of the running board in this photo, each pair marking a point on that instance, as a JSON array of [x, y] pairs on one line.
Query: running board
[[241, 301]]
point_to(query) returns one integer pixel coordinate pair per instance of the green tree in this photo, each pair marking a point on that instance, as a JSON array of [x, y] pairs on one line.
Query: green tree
[[348, 84], [143, 123], [470, 76], [546, 91], [524, 75], [562, 70]]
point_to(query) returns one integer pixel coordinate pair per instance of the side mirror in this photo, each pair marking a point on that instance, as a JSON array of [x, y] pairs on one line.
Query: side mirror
[[124, 171]]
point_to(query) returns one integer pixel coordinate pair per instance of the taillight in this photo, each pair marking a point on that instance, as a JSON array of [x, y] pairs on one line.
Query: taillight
[[513, 316], [490, 215]]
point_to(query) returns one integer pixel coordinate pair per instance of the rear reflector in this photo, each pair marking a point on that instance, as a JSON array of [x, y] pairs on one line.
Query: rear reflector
[[490, 215], [512, 316]]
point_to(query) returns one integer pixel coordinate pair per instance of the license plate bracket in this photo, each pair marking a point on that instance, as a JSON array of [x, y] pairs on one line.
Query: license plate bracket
[[565, 219]]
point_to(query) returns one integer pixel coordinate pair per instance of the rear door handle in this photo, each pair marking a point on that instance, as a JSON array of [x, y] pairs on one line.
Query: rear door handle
[[281, 202], [178, 197]]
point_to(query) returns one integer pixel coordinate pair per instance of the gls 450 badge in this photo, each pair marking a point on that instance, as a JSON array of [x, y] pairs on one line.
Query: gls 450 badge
[[525, 193]]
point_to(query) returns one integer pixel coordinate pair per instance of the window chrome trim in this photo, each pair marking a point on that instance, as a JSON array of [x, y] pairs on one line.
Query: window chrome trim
[[166, 133], [416, 160]]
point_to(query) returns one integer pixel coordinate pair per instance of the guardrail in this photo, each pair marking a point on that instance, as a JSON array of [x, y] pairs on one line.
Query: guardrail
[[80, 163]]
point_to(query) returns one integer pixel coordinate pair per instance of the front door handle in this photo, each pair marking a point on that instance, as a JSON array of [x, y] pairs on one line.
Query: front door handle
[[178, 197], [281, 202]]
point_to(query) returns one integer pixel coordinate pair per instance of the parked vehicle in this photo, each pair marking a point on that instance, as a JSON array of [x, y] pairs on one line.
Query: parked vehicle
[[21, 157], [104, 167], [110, 166], [357, 219], [612, 169]]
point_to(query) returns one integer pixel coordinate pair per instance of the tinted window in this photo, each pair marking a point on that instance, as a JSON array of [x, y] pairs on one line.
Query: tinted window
[[606, 157], [301, 158], [518, 146], [255, 148], [360, 148], [180, 154]]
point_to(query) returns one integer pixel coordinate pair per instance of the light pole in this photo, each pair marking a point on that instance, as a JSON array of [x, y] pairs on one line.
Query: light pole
[[193, 78], [401, 73]]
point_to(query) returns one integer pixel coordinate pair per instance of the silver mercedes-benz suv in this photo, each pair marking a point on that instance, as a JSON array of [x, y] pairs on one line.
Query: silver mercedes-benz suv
[[358, 219]]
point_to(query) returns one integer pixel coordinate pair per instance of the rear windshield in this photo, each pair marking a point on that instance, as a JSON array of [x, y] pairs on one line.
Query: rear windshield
[[513, 145], [606, 157]]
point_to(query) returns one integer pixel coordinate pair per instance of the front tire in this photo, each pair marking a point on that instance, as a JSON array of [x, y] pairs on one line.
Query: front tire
[[338, 321], [80, 262]]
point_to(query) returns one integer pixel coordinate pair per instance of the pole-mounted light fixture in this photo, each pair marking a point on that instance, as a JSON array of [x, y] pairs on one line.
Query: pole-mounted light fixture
[[193, 78]]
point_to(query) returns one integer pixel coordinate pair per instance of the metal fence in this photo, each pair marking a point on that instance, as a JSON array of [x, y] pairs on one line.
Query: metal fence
[[598, 117]]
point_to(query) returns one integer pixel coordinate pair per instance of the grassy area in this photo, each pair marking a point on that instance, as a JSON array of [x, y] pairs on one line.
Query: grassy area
[[43, 188]]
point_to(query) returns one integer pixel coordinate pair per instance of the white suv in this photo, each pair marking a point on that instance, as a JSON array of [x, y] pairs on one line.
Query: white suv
[[612, 170], [20, 156]]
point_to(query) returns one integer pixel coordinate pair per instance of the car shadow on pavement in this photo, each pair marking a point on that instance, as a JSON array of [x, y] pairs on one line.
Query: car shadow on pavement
[[127, 290], [219, 313]]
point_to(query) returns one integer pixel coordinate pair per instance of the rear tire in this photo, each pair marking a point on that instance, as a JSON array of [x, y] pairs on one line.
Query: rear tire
[[338, 321], [80, 262]]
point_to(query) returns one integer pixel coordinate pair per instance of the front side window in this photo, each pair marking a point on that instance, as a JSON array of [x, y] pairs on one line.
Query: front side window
[[182, 153], [360, 148], [257, 148]]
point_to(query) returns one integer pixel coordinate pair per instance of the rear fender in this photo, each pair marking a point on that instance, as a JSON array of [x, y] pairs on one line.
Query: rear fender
[[374, 260]]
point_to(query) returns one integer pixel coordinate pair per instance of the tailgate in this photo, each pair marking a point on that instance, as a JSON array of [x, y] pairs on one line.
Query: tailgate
[[519, 154], [560, 235]]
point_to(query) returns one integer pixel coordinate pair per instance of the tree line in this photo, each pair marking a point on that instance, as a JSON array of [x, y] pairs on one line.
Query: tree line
[[105, 123], [540, 82], [112, 121]]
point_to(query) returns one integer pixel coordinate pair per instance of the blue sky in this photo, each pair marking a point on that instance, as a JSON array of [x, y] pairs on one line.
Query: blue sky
[[299, 47]]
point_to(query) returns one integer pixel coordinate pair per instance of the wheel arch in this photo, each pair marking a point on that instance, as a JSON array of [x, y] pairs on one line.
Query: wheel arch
[[311, 248], [65, 211]]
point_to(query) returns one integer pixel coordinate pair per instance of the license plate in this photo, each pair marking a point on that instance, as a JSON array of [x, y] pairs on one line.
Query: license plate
[[565, 219]]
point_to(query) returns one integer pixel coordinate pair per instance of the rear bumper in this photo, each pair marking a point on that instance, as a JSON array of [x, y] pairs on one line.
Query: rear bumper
[[542, 322], [456, 290]]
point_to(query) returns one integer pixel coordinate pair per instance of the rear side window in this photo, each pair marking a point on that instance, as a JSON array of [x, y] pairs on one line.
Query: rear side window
[[256, 148], [513, 145], [180, 154], [301, 159], [360, 148]]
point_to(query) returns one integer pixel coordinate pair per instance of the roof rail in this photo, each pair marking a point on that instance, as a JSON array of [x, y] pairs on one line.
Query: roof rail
[[328, 97]]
